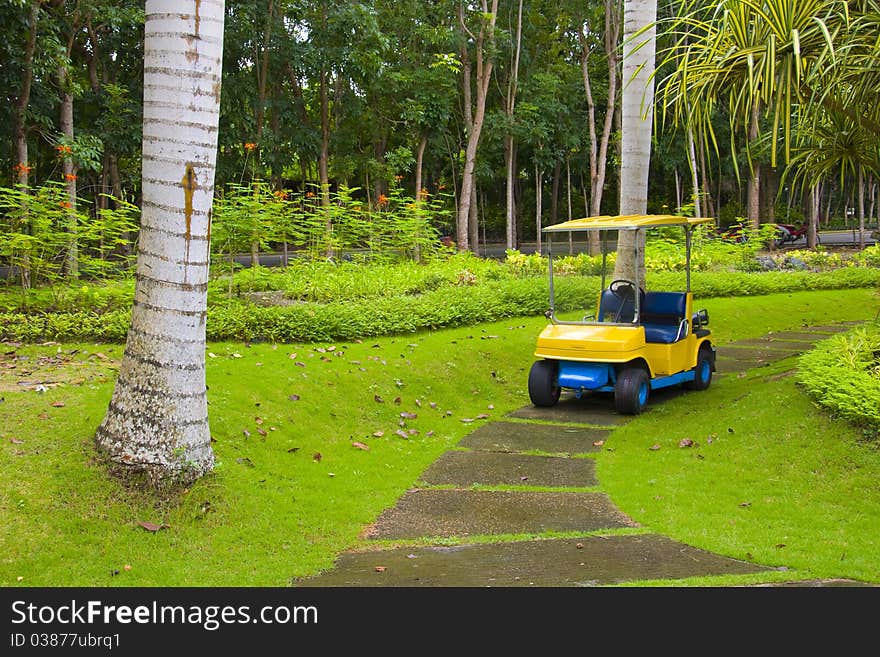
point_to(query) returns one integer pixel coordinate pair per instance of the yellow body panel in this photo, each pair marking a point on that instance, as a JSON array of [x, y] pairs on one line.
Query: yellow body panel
[[594, 342], [615, 343]]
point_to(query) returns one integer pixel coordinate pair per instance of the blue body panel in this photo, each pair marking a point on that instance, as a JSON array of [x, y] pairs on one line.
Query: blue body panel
[[588, 376], [600, 377]]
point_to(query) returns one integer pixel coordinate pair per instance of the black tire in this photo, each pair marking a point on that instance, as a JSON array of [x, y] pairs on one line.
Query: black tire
[[703, 370], [631, 391], [544, 383]]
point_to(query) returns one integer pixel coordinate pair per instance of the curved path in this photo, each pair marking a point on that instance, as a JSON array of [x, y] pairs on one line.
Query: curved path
[[501, 485]]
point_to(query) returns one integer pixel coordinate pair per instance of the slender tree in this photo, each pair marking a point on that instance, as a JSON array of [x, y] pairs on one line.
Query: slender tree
[[157, 420], [484, 64]]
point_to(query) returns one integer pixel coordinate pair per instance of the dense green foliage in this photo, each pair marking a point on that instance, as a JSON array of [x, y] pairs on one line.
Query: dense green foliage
[[843, 374], [312, 300]]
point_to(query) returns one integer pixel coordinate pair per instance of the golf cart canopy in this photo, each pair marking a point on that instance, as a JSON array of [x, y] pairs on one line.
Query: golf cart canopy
[[625, 222], [604, 224]]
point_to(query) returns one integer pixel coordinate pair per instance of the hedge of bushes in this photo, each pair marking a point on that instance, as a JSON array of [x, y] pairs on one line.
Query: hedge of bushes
[[843, 374], [466, 298]]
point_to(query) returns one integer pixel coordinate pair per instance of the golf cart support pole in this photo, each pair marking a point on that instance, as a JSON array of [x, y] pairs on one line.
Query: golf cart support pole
[[552, 312]]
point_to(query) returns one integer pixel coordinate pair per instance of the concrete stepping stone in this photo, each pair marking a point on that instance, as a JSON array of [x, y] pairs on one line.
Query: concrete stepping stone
[[457, 512], [832, 328], [770, 344], [797, 336], [590, 409], [520, 437], [585, 561], [459, 468], [756, 354]]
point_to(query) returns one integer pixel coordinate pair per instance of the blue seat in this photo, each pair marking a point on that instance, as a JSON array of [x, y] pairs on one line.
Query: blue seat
[[610, 305], [662, 314]]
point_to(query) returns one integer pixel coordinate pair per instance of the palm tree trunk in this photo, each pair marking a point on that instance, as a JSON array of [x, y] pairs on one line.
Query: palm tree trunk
[[157, 420], [637, 111]]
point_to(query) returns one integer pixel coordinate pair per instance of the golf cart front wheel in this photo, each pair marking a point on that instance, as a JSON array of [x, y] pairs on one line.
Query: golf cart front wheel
[[631, 391], [544, 383], [702, 371]]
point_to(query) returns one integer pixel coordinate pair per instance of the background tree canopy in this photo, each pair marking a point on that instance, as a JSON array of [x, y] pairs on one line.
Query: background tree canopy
[[760, 103]]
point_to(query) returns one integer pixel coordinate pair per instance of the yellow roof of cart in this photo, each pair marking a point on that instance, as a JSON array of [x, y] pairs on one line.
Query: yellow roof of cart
[[625, 222]]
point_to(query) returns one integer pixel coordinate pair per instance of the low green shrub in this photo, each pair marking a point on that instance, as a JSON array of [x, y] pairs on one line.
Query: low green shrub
[[843, 374]]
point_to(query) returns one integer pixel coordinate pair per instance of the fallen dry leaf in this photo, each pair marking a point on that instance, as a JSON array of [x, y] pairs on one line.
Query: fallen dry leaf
[[654, 447], [360, 445], [258, 420], [151, 526], [686, 442], [293, 397], [408, 416], [262, 432], [379, 433], [58, 404], [402, 433], [247, 434], [316, 456], [380, 569], [16, 441], [598, 443]]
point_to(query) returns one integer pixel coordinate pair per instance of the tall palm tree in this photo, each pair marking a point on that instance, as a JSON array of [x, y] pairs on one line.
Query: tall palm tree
[[637, 116], [157, 420], [763, 59]]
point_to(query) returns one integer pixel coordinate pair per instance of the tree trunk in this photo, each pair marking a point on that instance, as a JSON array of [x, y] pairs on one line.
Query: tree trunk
[[637, 110], [69, 170], [157, 420], [539, 189], [484, 64], [509, 143], [813, 226], [754, 188], [420, 158], [599, 147], [861, 207]]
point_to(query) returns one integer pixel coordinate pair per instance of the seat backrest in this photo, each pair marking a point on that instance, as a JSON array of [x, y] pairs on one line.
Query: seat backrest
[[610, 304], [664, 307]]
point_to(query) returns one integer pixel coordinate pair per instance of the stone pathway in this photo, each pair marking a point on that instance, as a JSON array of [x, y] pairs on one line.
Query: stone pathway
[[483, 494]]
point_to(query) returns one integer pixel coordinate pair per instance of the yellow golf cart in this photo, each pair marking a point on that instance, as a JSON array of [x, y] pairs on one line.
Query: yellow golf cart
[[635, 341]]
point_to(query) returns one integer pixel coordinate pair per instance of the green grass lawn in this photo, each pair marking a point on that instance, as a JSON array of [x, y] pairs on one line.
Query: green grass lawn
[[311, 447]]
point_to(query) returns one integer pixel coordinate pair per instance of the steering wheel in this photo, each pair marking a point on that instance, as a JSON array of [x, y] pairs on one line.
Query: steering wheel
[[623, 289]]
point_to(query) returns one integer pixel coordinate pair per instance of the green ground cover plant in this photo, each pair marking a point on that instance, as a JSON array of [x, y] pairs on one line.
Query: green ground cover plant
[[320, 300], [843, 375], [312, 446]]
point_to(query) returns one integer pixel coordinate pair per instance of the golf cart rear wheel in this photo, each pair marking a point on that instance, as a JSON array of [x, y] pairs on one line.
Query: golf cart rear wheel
[[702, 371], [631, 391], [544, 383]]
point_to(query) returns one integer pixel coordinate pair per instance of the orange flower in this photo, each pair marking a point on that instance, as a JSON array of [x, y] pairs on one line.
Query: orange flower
[[398, 178], [383, 200], [63, 150], [310, 194], [280, 194], [22, 168], [64, 204], [70, 176], [249, 146]]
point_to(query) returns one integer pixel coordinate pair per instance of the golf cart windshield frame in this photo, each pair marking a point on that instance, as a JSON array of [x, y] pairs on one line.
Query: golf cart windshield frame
[[604, 225]]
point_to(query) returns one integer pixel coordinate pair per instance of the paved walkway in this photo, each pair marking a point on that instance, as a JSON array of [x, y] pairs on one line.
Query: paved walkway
[[455, 500]]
